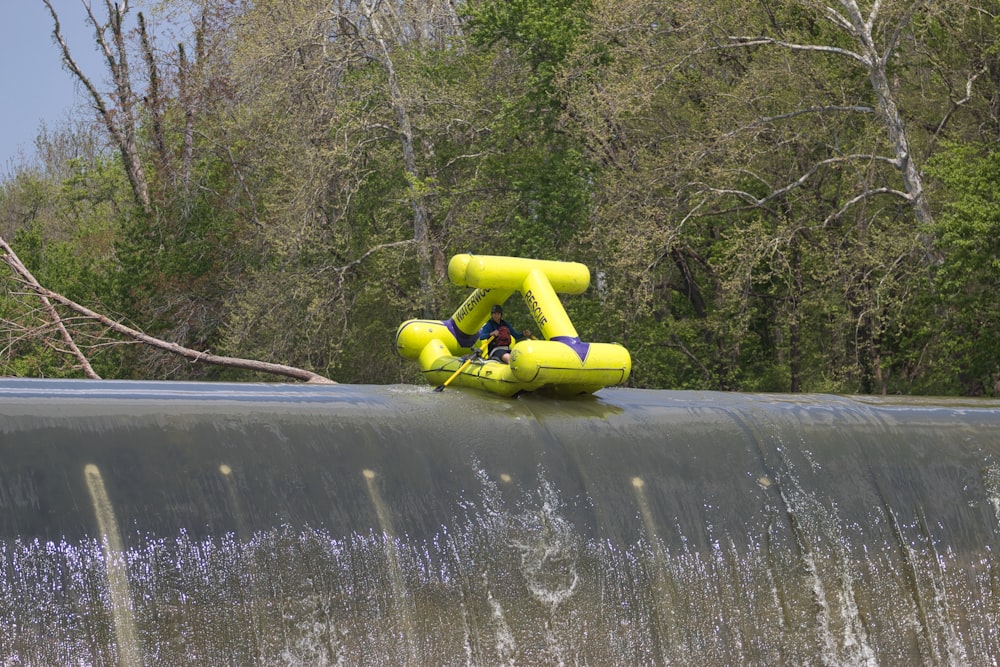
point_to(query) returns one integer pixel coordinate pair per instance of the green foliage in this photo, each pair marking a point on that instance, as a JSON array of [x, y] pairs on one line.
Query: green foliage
[[64, 226], [739, 206], [175, 265], [967, 278], [545, 173], [552, 203], [545, 31]]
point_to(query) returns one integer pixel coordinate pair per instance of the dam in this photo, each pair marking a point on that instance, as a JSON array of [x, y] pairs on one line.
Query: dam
[[169, 523]]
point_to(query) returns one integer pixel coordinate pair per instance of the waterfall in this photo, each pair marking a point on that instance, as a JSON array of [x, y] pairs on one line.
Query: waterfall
[[163, 523]]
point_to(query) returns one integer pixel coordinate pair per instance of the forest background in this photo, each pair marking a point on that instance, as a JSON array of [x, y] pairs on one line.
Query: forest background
[[779, 195]]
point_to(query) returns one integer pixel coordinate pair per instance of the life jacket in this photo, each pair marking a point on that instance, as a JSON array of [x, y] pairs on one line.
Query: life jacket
[[503, 336]]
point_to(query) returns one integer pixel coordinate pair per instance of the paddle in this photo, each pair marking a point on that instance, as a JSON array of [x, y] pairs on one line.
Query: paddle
[[468, 361]]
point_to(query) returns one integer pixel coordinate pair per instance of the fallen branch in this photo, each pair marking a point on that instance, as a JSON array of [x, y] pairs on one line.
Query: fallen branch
[[47, 297]]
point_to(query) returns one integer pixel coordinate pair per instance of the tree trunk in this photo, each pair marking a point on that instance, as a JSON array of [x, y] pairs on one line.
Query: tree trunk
[[886, 105], [421, 226]]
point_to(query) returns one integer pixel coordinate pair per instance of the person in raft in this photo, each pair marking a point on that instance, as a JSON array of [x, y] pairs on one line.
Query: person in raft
[[500, 345]]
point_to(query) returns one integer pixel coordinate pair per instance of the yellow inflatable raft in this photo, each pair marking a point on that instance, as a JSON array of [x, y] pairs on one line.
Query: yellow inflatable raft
[[560, 364]]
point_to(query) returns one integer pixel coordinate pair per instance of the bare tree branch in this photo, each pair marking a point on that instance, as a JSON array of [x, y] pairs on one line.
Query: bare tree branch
[[120, 123], [154, 96], [14, 262], [799, 182], [341, 270], [861, 197], [956, 104], [758, 41], [800, 112]]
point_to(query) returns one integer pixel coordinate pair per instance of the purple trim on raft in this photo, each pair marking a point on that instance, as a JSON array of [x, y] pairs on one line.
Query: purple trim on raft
[[464, 339], [582, 349]]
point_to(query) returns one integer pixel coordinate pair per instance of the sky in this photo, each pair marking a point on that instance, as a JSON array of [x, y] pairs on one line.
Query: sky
[[34, 86]]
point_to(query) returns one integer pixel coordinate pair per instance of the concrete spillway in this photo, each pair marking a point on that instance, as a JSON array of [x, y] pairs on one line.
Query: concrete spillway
[[172, 523]]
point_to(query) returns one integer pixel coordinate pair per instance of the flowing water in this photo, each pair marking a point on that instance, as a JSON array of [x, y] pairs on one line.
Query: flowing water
[[155, 523]]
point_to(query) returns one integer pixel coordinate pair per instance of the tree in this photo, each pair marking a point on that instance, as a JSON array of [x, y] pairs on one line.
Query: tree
[[348, 168], [760, 160], [120, 271]]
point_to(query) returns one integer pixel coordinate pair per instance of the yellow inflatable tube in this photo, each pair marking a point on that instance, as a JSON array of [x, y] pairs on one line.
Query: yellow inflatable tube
[[509, 272], [561, 364]]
